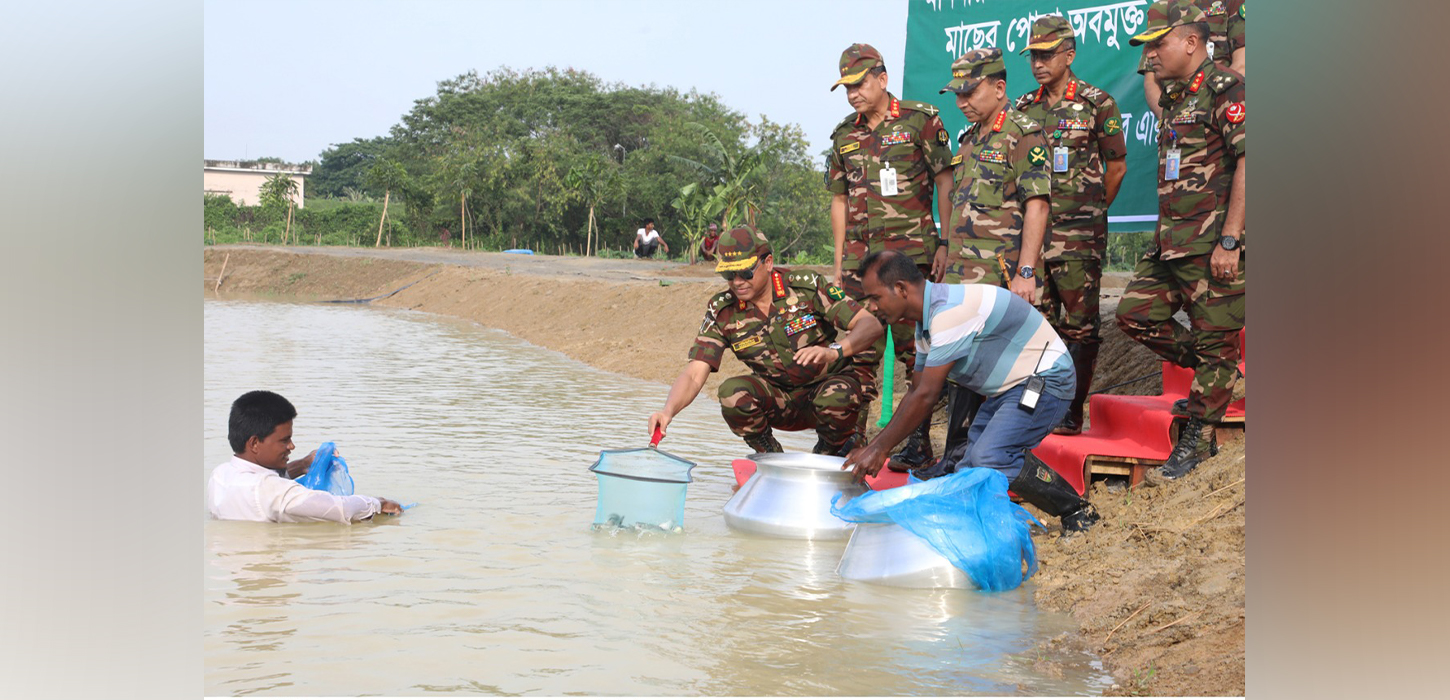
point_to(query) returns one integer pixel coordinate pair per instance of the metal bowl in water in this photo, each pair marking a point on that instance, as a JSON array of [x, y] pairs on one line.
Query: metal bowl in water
[[888, 554], [790, 496]]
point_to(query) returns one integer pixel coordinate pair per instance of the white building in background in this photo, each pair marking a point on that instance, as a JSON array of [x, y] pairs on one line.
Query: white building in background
[[242, 179]]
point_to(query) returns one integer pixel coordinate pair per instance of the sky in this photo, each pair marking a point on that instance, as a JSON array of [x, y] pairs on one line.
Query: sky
[[290, 79]]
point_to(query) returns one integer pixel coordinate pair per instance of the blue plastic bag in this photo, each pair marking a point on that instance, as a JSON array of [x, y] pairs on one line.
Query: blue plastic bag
[[966, 517], [328, 472]]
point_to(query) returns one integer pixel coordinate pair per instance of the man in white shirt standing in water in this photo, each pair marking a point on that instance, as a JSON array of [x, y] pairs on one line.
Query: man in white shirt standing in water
[[257, 483]]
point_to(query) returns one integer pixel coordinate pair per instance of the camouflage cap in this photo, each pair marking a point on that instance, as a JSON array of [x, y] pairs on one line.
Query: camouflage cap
[[740, 249], [1165, 15], [972, 68], [1047, 32], [856, 61]]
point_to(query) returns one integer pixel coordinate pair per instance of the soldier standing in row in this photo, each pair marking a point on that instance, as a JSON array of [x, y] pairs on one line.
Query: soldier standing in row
[[1196, 261], [887, 158], [807, 344], [1089, 158], [1226, 19], [999, 201]]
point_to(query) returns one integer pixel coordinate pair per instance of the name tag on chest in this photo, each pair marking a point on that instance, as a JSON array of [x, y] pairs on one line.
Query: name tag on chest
[[800, 324], [747, 343], [896, 138]]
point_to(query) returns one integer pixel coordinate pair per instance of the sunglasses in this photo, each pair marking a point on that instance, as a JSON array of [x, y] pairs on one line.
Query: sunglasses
[[747, 275], [1044, 56]]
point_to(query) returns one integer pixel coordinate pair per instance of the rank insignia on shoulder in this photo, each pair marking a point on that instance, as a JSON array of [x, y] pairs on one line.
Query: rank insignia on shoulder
[[747, 343], [941, 137], [956, 160], [849, 147], [835, 293], [990, 156], [1235, 113], [1037, 156], [1112, 126]]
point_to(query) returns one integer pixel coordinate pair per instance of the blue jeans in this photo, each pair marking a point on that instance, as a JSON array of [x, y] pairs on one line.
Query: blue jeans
[[1002, 429]]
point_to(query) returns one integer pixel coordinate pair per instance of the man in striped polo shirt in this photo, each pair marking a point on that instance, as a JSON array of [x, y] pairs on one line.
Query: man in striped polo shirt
[[987, 340]]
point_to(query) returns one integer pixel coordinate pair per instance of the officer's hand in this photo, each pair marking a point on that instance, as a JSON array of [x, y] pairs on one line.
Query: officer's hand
[[658, 420], [836, 276], [866, 461], [939, 264], [816, 355], [1224, 264], [1025, 288]]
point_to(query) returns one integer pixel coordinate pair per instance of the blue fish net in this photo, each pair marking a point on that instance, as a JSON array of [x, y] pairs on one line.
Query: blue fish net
[[328, 472], [966, 517]]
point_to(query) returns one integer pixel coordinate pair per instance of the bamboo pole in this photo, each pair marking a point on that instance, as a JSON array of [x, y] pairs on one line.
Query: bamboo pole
[[288, 231], [379, 242], [219, 278]]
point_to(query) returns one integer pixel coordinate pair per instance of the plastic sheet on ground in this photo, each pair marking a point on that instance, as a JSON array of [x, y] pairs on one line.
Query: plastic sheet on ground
[[328, 472], [966, 517]]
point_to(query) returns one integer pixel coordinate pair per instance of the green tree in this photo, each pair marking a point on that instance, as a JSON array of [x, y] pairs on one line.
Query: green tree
[[277, 192], [387, 176]]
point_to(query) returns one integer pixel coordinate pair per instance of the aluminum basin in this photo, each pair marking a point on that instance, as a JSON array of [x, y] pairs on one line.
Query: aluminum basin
[[889, 555], [790, 496]]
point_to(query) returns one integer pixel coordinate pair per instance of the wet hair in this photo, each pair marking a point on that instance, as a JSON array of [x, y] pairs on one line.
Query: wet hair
[[891, 267], [256, 414]]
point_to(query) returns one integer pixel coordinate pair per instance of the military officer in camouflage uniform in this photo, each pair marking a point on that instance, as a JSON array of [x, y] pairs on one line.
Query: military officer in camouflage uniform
[[1002, 182], [1226, 20], [887, 158], [1197, 260], [808, 346], [1089, 157]]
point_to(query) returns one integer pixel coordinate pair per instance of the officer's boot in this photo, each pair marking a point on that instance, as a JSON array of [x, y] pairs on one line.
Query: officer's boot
[[825, 447], [917, 451], [1196, 443], [764, 442], [962, 405], [1084, 360], [1039, 485]]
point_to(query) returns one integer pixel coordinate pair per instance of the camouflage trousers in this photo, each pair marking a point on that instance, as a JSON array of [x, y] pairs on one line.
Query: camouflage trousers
[[1070, 295], [833, 406], [962, 271], [1215, 310]]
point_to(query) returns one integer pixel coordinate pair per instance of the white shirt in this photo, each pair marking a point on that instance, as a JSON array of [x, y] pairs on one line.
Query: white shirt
[[647, 235], [241, 490]]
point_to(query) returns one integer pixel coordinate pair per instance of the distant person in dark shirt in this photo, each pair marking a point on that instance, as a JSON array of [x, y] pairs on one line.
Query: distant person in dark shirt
[[707, 246]]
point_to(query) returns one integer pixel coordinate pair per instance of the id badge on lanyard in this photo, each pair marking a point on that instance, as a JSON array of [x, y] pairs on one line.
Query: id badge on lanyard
[[1059, 159], [1174, 157], [888, 182]]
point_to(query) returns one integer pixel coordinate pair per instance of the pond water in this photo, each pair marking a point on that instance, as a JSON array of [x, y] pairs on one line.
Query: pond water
[[496, 584]]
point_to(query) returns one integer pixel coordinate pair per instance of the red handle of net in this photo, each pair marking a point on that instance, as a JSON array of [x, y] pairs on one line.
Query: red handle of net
[[654, 440]]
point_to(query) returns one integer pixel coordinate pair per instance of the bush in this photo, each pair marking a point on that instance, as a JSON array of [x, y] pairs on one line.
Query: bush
[[1124, 249]]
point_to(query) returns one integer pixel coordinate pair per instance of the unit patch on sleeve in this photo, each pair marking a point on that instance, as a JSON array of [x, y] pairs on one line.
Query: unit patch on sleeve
[[835, 293], [941, 137], [1037, 156], [1235, 112], [1112, 126]]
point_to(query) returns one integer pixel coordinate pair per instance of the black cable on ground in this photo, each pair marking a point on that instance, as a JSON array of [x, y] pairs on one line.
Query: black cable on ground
[[384, 296], [1130, 381]]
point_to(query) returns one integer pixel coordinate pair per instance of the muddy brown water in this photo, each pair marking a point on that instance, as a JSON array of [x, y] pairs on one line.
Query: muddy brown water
[[496, 584]]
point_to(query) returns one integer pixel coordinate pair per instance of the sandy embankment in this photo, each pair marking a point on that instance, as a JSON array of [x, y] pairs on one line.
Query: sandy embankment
[[1158, 586]]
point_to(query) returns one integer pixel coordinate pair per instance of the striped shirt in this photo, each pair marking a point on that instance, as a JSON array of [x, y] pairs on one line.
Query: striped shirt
[[992, 338]]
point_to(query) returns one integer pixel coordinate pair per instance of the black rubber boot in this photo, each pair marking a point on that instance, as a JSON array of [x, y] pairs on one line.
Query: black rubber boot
[[917, 451], [1039, 485], [1196, 442], [962, 405], [825, 448], [1084, 360], [764, 442]]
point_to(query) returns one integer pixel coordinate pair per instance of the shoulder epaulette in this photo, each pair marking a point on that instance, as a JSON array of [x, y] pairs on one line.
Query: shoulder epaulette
[[1092, 95], [926, 108], [804, 279], [1025, 101], [720, 301], [1222, 80], [849, 121], [1024, 122]]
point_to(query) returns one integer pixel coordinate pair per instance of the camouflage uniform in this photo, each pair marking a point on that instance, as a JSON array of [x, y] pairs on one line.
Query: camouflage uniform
[[1205, 120], [806, 309], [998, 167], [1225, 30], [1087, 122]]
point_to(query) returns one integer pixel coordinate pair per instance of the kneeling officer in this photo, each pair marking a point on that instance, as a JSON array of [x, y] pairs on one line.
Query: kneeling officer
[[807, 344]]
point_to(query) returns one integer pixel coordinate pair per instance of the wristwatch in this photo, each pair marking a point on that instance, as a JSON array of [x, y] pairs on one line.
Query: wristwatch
[[1228, 242], [1025, 272], [840, 351]]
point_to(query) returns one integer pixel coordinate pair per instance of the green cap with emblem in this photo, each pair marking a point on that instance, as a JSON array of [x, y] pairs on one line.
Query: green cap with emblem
[[972, 68], [740, 249], [1165, 15], [1047, 32], [856, 61]]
